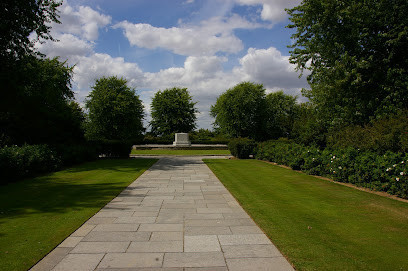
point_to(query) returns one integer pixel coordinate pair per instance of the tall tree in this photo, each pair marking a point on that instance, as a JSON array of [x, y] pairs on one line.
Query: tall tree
[[20, 18], [240, 111], [115, 111], [281, 112], [173, 111], [35, 109], [356, 53]]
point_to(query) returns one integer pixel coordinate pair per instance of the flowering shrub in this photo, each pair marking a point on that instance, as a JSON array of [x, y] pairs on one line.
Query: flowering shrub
[[386, 172]]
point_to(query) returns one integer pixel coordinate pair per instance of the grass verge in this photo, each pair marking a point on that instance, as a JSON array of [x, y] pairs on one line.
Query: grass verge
[[316, 224], [37, 214], [180, 152]]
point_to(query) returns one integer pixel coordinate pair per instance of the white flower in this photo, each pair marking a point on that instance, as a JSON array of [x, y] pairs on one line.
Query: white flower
[[401, 173], [339, 167], [334, 157], [334, 171], [397, 179], [394, 165]]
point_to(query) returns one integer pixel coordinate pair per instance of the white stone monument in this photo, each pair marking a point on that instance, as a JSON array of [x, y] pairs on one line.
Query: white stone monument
[[181, 140]]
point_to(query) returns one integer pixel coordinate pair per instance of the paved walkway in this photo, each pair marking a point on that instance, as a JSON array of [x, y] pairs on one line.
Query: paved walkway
[[176, 216]]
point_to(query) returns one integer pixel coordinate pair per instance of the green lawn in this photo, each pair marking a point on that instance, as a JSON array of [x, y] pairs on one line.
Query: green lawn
[[37, 214], [181, 152], [316, 224]]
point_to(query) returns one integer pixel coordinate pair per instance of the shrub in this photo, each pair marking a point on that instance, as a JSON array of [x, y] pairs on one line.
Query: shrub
[[386, 134], [71, 154], [114, 148], [386, 172], [241, 148], [281, 151], [28, 160]]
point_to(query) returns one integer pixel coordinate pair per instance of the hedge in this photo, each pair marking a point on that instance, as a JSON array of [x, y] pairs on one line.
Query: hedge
[[28, 160], [378, 171], [241, 148]]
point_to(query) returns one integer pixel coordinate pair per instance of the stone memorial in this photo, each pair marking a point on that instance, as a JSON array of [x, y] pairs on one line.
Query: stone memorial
[[181, 140]]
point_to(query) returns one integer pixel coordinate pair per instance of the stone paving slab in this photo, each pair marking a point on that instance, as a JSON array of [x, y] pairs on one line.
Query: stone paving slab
[[177, 216]]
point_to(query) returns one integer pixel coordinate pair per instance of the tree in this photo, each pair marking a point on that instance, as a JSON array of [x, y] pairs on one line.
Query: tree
[[115, 111], [308, 128], [281, 113], [173, 111], [356, 52], [35, 108], [20, 18], [240, 111]]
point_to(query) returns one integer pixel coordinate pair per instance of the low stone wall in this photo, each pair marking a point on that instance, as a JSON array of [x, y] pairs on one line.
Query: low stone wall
[[192, 147]]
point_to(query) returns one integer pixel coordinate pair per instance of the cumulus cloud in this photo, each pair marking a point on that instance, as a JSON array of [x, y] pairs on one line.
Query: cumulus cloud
[[202, 73], [82, 21], [67, 47], [206, 79], [270, 67], [272, 10], [206, 39], [90, 68]]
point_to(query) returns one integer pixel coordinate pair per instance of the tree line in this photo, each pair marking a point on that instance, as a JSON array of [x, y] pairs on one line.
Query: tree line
[[354, 52]]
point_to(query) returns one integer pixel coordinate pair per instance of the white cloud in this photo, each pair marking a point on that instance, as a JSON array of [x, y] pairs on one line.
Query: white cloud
[[82, 21], [272, 10], [206, 79], [67, 47], [269, 67], [202, 73], [211, 36], [90, 68]]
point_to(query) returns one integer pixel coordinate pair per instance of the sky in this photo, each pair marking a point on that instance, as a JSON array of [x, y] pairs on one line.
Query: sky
[[206, 46]]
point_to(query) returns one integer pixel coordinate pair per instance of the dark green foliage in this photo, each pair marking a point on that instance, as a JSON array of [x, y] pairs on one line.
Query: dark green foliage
[[240, 111], [72, 154], [114, 148], [36, 104], [389, 133], [245, 111], [205, 136], [308, 128], [241, 148], [115, 111], [28, 160], [19, 18], [356, 52], [281, 112], [173, 111], [383, 172]]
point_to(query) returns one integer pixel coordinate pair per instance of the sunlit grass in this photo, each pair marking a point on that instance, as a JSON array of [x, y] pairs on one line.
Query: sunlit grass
[[317, 224], [37, 214]]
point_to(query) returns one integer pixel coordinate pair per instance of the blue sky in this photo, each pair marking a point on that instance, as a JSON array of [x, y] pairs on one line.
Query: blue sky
[[206, 46]]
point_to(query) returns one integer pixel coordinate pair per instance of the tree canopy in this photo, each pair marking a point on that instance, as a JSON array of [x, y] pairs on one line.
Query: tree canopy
[[115, 111], [20, 18], [34, 106], [281, 111], [239, 111], [173, 111], [356, 53]]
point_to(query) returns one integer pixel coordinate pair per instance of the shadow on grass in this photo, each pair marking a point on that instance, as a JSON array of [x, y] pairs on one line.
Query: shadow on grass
[[89, 185]]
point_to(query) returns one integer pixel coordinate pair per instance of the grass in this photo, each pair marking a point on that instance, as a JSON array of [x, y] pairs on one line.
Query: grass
[[37, 214], [181, 152], [316, 224]]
